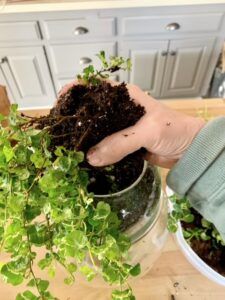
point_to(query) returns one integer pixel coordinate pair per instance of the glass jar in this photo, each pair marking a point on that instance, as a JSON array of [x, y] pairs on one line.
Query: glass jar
[[148, 231]]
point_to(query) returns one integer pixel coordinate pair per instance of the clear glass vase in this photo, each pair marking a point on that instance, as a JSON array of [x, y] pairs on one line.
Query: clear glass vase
[[148, 231]]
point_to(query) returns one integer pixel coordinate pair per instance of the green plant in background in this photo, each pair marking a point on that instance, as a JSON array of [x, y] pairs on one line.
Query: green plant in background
[[94, 77], [44, 203], [183, 212]]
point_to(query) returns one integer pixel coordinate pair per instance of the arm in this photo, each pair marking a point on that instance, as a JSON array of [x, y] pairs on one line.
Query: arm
[[163, 132], [200, 173], [195, 152]]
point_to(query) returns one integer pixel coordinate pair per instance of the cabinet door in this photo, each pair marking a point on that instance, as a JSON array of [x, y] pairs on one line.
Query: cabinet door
[[27, 75], [4, 83], [186, 67], [148, 62]]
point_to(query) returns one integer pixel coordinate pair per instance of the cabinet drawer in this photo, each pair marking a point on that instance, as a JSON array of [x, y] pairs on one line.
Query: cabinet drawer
[[77, 29], [168, 24], [70, 59], [19, 31]]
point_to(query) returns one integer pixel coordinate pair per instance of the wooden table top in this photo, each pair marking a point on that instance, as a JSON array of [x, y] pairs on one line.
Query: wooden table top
[[172, 274]]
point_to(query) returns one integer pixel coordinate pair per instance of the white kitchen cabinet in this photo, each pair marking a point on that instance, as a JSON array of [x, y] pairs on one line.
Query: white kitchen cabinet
[[19, 31], [174, 49], [169, 69], [186, 67], [148, 64], [79, 29], [4, 83], [185, 23], [26, 72], [70, 59]]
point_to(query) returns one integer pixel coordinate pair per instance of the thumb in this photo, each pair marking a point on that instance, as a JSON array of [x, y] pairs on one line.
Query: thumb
[[115, 147], [67, 87]]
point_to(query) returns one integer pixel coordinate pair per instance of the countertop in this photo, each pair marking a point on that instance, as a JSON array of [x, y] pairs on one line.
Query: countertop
[[172, 274], [22, 6]]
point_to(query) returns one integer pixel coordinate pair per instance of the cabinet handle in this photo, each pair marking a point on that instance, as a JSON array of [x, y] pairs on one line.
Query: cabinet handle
[[164, 53], [80, 31], [4, 60], [173, 53], [173, 26], [85, 60]]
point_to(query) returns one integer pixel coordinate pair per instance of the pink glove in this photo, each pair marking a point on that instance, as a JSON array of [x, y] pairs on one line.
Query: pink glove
[[165, 133]]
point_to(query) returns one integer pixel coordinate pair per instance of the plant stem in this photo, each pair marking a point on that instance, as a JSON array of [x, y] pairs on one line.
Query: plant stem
[[92, 259], [5, 215], [27, 235], [31, 262], [54, 254]]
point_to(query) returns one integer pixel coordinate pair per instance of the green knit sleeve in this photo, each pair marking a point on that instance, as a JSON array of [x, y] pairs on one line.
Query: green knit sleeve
[[200, 173]]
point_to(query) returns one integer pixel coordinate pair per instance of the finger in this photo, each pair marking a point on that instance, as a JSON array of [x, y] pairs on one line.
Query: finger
[[115, 147], [113, 82], [67, 87], [141, 97], [160, 161]]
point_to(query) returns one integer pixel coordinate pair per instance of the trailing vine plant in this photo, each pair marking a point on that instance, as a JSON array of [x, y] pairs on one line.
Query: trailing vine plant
[[183, 212], [44, 203], [92, 76]]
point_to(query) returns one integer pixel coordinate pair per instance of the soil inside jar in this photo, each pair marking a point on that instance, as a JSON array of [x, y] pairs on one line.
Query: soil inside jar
[[87, 114], [211, 252]]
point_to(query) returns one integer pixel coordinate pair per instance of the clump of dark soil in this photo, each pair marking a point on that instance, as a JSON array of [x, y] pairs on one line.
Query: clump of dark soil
[[117, 177], [212, 252], [87, 114]]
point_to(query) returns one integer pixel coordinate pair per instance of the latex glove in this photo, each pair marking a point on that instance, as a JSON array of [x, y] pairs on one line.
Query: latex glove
[[165, 133]]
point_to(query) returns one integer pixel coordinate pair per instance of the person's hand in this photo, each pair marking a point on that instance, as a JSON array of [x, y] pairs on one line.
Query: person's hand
[[66, 88], [165, 133]]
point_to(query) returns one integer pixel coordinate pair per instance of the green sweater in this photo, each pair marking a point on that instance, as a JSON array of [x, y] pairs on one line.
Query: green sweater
[[200, 173]]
